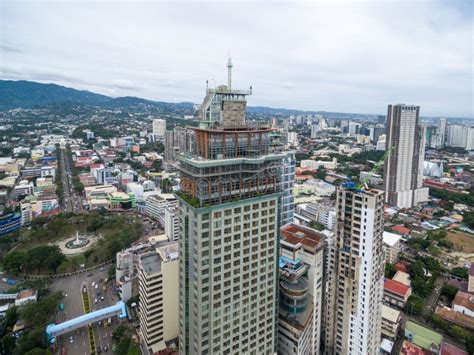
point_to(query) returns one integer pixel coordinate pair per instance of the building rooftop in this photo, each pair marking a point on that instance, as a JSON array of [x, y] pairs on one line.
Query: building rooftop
[[119, 194], [390, 314], [169, 251], [395, 287], [26, 294], [422, 336], [450, 315], [295, 235], [401, 266], [402, 277], [448, 349], [150, 262], [401, 229], [391, 238], [471, 269], [411, 349], [464, 299]]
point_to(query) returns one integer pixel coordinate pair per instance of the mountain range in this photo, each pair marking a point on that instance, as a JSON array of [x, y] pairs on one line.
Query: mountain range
[[30, 94]]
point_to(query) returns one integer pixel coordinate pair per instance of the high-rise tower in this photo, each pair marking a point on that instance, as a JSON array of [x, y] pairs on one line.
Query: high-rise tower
[[403, 173], [229, 216], [355, 274]]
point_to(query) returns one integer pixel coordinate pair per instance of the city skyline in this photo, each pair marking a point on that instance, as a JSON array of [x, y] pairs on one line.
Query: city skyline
[[315, 64]]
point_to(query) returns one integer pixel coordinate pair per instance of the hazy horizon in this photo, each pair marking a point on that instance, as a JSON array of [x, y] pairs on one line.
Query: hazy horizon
[[353, 57]]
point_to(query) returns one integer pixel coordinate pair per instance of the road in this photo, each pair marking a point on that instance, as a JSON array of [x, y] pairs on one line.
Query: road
[[65, 171], [72, 202], [73, 307]]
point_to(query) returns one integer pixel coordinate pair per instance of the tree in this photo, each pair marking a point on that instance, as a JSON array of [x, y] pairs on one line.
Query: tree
[[468, 219], [54, 259], [460, 272], [8, 344], [36, 351], [11, 316], [321, 173], [45, 256], [41, 312], [390, 270], [14, 261], [449, 291], [414, 305], [120, 331]]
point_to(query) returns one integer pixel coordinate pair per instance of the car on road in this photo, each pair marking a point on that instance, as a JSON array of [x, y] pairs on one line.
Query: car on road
[[99, 350], [89, 275], [71, 339], [102, 268], [102, 298]]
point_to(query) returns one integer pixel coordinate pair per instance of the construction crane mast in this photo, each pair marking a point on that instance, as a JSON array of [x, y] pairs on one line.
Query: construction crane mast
[[375, 169]]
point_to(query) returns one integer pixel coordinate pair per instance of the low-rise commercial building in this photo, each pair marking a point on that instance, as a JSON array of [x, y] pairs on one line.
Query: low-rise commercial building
[[390, 322], [395, 293], [391, 244]]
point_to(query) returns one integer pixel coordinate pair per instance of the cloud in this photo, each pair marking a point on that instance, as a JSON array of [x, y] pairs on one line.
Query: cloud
[[328, 55]]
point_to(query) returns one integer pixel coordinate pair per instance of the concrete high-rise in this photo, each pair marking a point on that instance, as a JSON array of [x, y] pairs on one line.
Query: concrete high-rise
[[301, 289], [442, 129], [355, 267], [229, 216], [405, 144], [177, 141], [158, 294], [159, 127]]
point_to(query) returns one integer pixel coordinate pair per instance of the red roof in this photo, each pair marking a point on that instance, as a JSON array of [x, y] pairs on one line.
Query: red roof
[[96, 165], [395, 287], [295, 234], [402, 266], [411, 349], [448, 349], [401, 229]]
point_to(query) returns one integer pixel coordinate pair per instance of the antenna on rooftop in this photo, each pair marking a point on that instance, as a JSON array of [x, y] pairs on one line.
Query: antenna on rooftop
[[229, 73]]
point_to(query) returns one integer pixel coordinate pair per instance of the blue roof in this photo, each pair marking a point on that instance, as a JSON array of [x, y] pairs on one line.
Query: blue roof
[[284, 260]]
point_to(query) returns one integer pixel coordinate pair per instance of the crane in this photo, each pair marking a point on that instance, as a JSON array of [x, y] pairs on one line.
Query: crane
[[363, 183]]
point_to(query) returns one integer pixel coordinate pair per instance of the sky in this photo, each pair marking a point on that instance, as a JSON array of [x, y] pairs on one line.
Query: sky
[[340, 56]]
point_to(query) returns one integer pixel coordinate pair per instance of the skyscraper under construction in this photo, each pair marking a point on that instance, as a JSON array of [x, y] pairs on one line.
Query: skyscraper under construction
[[229, 215]]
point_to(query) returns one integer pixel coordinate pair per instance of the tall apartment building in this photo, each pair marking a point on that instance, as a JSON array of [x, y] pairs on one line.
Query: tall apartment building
[[355, 274], [229, 216], [158, 272], [405, 144], [460, 136], [301, 287], [288, 199], [176, 141], [354, 128], [159, 127], [442, 130]]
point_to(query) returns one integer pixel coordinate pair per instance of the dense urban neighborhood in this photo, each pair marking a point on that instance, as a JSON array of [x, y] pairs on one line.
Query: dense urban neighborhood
[[115, 214]]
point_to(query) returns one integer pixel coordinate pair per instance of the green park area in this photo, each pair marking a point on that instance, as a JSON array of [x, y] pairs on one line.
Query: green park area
[[35, 251]]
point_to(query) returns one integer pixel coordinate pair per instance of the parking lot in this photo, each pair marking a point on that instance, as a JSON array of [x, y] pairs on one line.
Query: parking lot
[[77, 342]]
